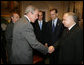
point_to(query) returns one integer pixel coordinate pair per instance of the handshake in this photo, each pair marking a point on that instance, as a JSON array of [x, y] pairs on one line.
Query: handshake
[[51, 49]]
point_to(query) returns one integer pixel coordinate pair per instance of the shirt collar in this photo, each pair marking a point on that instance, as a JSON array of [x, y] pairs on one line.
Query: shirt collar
[[40, 21], [71, 26], [27, 17], [55, 21]]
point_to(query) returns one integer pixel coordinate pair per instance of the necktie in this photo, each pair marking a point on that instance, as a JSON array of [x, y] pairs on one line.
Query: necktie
[[53, 26], [40, 25], [67, 30]]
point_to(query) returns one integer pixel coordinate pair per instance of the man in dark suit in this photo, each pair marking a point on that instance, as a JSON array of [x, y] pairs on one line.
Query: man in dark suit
[[71, 42], [24, 39], [3, 43], [54, 31], [39, 30], [9, 33], [40, 27]]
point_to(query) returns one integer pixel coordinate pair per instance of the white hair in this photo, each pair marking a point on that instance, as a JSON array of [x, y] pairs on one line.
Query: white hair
[[30, 9], [74, 16]]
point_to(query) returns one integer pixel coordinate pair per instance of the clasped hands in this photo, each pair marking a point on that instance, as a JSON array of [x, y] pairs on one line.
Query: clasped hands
[[51, 49]]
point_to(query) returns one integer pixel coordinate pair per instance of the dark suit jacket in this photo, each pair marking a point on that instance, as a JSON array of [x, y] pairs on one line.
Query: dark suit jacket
[[40, 34], [23, 42], [71, 46], [3, 46], [9, 37], [52, 37]]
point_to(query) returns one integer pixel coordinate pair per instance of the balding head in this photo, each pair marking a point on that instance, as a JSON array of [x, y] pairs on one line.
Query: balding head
[[30, 8], [69, 19], [73, 15]]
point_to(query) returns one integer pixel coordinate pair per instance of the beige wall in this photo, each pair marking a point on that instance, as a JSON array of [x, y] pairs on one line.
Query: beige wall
[[79, 8], [62, 7], [46, 6]]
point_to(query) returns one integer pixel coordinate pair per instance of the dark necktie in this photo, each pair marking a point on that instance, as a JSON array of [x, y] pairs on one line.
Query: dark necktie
[[53, 26], [67, 30]]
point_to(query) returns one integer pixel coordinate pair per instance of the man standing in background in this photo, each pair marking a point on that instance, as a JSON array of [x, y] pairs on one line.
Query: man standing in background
[[54, 32], [9, 33], [40, 32], [40, 28], [3, 41]]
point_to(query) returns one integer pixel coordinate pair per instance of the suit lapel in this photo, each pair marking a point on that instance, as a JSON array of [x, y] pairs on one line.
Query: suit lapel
[[57, 25], [50, 26], [37, 25], [25, 20], [43, 25], [74, 28]]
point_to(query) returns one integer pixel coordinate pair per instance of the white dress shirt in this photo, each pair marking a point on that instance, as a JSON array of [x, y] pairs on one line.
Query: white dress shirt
[[55, 22], [40, 24], [71, 26]]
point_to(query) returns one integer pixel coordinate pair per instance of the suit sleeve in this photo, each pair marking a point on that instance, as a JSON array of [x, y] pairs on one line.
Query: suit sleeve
[[79, 46], [31, 39]]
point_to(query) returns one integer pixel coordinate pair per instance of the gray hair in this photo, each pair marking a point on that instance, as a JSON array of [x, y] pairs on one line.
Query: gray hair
[[74, 16], [30, 9]]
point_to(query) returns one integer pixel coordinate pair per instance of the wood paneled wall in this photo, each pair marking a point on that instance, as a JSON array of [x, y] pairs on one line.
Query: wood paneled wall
[[62, 6]]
